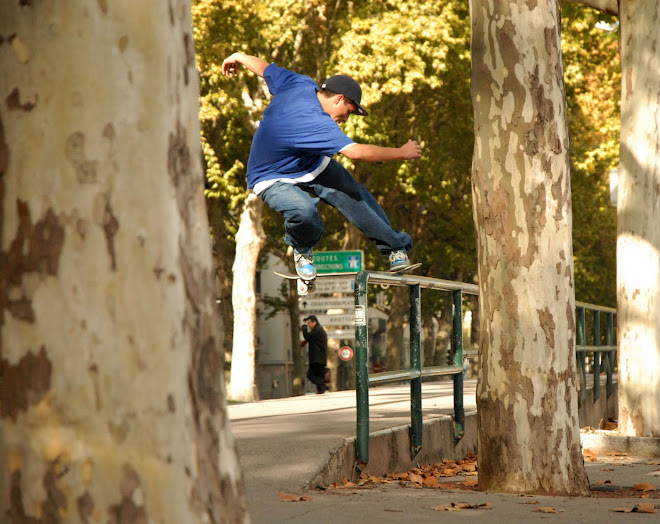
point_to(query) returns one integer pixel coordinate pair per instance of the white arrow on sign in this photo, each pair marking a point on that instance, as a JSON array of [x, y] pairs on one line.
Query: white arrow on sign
[[314, 303]]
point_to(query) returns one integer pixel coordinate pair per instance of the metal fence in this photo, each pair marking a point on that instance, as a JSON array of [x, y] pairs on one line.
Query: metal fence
[[416, 372], [596, 349]]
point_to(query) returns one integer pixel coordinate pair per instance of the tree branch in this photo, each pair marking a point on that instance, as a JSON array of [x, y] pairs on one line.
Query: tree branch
[[606, 6]]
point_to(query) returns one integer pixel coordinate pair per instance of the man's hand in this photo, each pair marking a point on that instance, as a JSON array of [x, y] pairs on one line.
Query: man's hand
[[231, 64], [411, 150]]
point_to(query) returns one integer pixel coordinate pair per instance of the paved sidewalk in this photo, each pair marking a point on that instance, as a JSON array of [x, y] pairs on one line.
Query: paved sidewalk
[[283, 444]]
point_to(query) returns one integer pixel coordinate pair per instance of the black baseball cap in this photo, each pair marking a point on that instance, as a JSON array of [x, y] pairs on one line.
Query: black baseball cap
[[311, 317], [345, 85]]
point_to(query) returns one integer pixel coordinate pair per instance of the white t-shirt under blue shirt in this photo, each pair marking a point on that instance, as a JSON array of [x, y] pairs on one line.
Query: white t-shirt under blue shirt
[[296, 138]]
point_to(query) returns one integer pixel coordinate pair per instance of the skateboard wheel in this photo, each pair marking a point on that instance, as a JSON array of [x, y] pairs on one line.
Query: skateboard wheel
[[303, 288], [311, 287]]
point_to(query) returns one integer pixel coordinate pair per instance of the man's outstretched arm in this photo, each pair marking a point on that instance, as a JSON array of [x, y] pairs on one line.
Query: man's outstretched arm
[[253, 63], [372, 153]]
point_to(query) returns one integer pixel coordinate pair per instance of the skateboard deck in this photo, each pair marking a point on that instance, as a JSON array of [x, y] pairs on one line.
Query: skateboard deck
[[307, 285]]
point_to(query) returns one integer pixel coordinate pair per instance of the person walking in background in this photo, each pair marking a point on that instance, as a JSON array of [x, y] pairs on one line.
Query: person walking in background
[[291, 166], [317, 348]]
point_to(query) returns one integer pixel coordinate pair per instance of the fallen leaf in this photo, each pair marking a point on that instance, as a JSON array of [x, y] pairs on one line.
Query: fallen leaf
[[470, 482], [653, 462], [643, 486], [588, 453], [431, 481], [286, 497], [623, 510], [646, 507], [607, 469], [417, 479], [546, 509]]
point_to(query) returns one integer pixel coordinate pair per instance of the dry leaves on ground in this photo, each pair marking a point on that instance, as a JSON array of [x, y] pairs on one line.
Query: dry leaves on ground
[[286, 497], [428, 476], [642, 507], [546, 509]]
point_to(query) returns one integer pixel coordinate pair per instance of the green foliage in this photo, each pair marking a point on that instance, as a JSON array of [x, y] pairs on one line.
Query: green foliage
[[412, 59], [593, 91]]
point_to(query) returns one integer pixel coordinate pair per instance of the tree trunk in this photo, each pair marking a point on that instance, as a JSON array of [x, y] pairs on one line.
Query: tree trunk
[[111, 386], [398, 312], [249, 240], [638, 216], [527, 383], [429, 331], [298, 352]]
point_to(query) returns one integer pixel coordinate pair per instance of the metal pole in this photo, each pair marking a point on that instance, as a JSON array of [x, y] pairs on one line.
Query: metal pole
[[596, 355], [581, 357], [361, 369], [609, 339], [416, 426], [457, 353]]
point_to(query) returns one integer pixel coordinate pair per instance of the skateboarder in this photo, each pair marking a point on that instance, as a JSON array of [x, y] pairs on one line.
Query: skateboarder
[[291, 167]]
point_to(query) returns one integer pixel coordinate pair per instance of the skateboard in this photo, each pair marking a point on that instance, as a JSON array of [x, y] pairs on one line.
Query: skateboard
[[305, 286]]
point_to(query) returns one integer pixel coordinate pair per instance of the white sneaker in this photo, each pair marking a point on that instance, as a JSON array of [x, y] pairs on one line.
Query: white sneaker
[[304, 259], [399, 260]]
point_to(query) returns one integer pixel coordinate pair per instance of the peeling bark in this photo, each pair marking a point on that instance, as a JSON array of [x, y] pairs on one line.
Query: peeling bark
[[112, 401], [527, 384], [638, 216]]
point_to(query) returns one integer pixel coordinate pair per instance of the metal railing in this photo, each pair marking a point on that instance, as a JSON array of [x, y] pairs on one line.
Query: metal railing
[[596, 348], [415, 373]]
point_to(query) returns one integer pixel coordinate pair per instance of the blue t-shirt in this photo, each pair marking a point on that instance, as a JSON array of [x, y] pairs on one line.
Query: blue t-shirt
[[296, 138]]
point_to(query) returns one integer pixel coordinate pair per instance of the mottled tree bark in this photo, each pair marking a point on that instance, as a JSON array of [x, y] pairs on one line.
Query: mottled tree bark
[[529, 437], [250, 238], [638, 221], [111, 386]]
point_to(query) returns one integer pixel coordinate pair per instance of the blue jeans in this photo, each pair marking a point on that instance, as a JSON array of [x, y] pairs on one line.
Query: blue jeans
[[336, 187]]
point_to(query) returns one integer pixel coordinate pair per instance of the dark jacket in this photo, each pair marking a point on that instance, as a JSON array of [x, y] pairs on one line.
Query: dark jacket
[[317, 343]]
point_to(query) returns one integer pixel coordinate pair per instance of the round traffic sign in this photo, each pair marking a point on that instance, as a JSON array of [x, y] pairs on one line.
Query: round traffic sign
[[346, 353]]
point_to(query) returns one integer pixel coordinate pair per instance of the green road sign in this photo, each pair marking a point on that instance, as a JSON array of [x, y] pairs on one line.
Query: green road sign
[[338, 261]]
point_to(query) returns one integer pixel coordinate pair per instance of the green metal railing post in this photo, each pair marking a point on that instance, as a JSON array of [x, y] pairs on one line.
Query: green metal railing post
[[416, 427], [581, 357], [457, 354], [361, 369], [596, 355], [609, 338]]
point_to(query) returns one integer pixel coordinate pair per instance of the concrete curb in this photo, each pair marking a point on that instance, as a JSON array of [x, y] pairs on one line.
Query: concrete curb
[[604, 442]]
